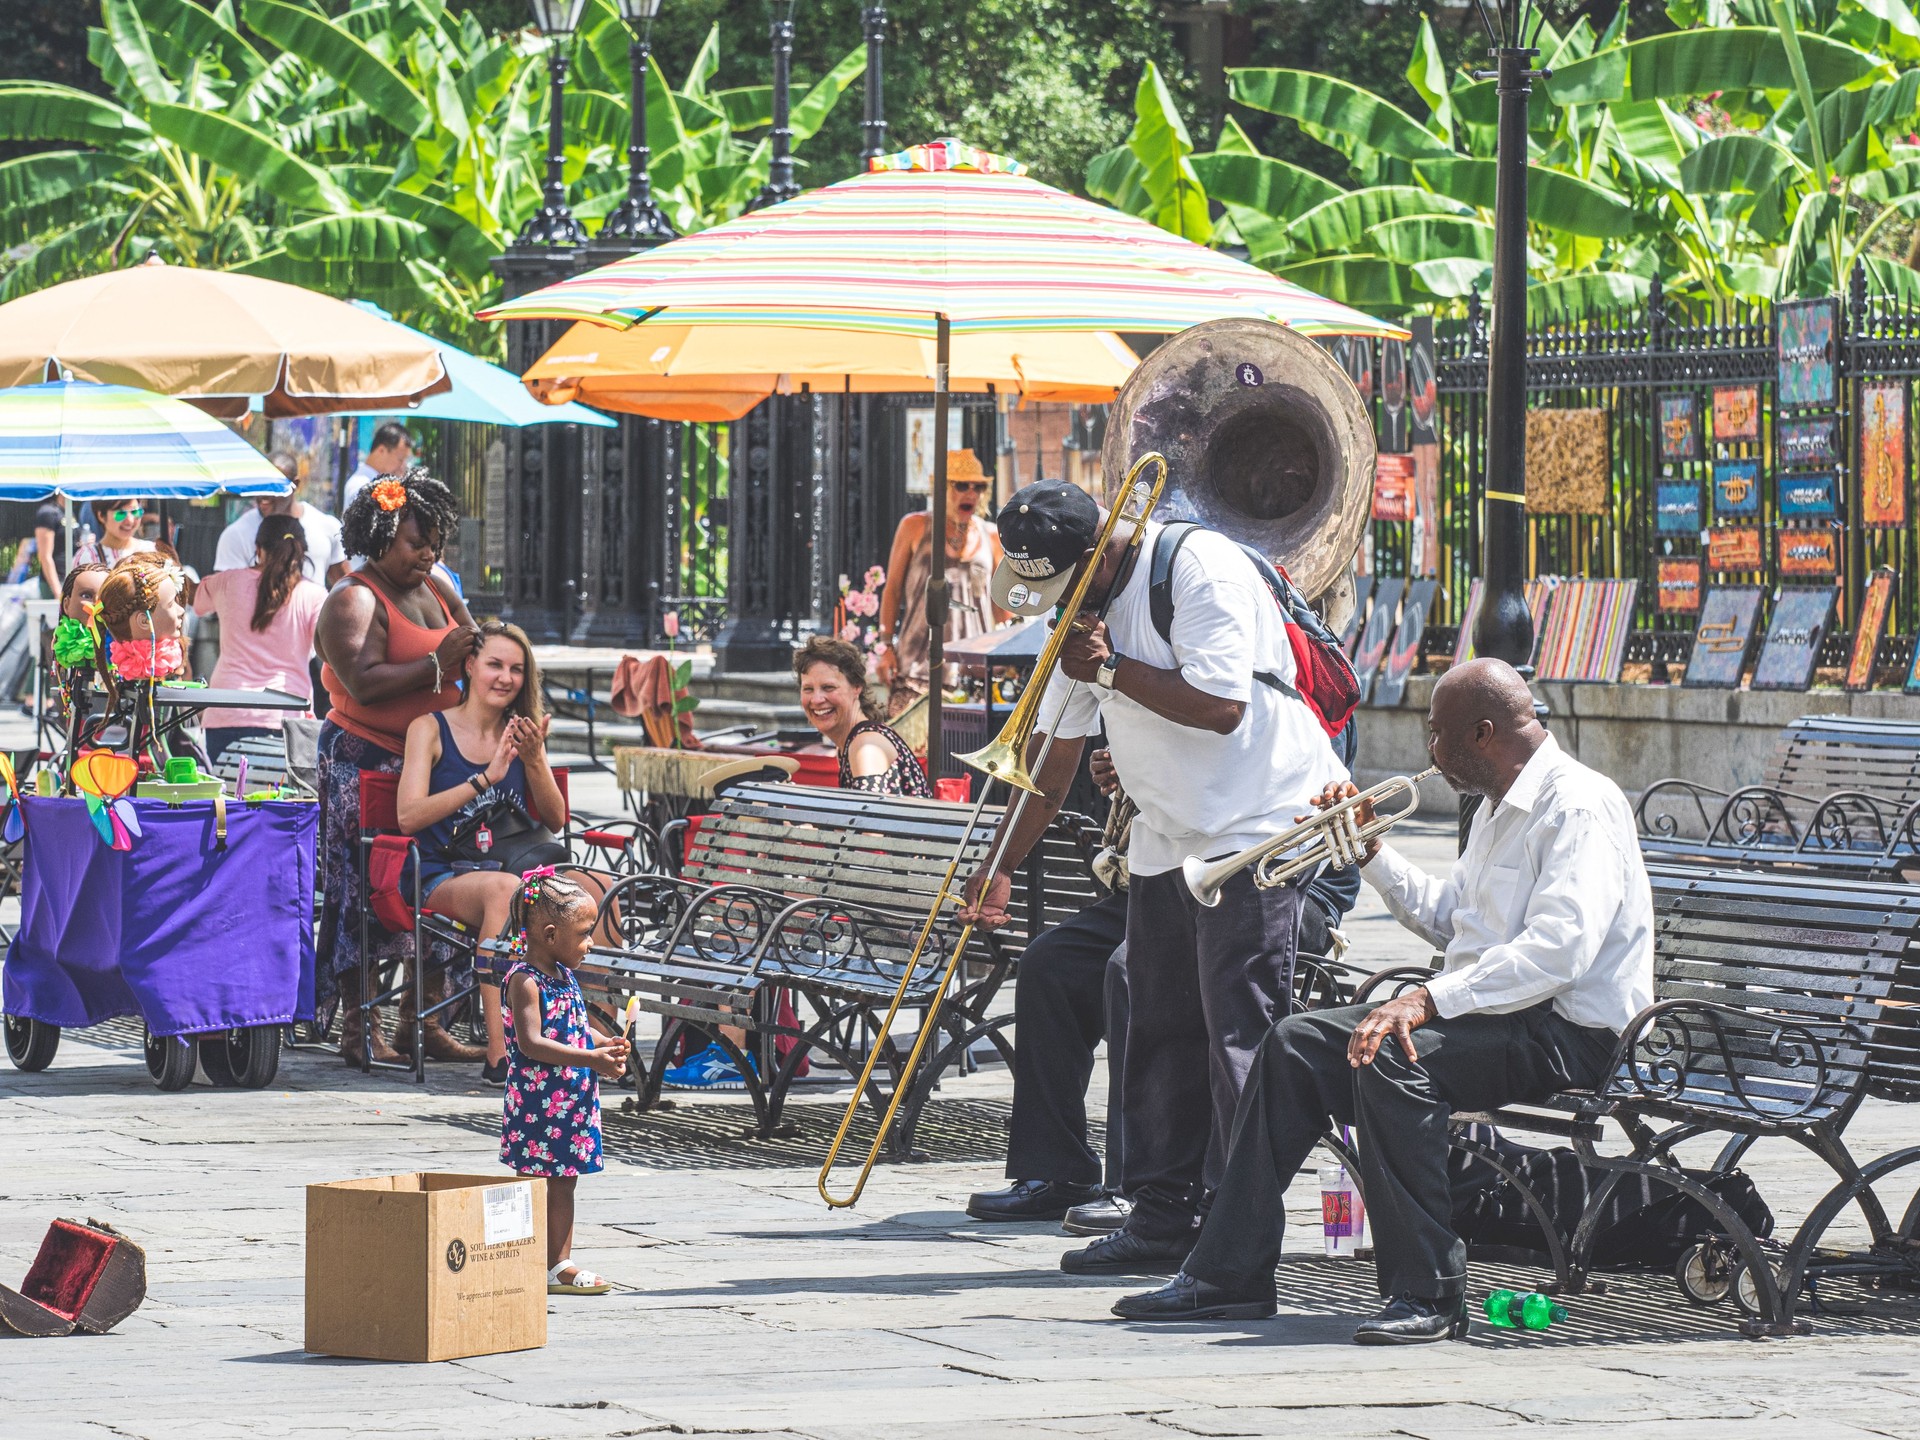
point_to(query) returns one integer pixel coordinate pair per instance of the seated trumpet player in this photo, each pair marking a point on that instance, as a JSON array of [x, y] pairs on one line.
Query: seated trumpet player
[[1547, 923]]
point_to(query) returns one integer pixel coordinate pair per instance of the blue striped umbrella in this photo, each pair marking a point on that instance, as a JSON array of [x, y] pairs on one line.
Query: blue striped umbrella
[[90, 441]]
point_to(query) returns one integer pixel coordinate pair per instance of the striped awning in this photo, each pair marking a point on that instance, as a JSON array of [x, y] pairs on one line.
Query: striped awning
[[934, 232], [90, 441]]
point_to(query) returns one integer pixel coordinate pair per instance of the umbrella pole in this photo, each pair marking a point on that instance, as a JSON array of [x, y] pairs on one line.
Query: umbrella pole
[[937, 552]]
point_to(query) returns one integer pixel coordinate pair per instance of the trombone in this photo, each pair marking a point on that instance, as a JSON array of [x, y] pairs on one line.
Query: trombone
[[1003, 759], [1337, 837]]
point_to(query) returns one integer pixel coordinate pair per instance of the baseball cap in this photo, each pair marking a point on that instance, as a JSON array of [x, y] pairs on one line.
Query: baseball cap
[[1044, 530]]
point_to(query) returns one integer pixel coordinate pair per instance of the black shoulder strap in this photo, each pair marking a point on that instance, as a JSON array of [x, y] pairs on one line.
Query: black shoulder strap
[[1166, 547]]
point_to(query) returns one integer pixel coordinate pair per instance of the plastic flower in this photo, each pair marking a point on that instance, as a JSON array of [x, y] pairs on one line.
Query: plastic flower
[[389, 494], [670, 622], [850, 633], [875, 576]]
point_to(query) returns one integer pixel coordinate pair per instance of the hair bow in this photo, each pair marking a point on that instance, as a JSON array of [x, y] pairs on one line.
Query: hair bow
[[389, 494]]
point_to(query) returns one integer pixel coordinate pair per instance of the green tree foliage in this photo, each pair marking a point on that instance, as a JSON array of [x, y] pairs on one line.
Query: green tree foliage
[[390, 151], [1687, 154]]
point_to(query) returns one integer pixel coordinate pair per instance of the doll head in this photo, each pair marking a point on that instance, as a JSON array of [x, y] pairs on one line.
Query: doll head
[[81, 588], [141, 599]]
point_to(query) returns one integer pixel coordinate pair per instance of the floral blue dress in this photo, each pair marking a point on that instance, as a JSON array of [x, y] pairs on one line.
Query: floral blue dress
[[551, 1123]]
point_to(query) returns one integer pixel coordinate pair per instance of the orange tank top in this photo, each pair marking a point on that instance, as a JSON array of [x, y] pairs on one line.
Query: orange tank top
[[385, 723]]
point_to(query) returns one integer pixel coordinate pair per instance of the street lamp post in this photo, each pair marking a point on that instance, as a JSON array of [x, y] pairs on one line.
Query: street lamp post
[[875, 124], [637, 220], [1504, 628], [780, 182], [553, 223]]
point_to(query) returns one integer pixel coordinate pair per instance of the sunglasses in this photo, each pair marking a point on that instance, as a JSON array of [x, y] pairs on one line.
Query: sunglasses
[[120, 517], [976, 486]]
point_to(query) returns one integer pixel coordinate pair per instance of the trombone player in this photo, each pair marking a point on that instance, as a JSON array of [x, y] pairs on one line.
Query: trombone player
[[1217, 751], [1547, 921]]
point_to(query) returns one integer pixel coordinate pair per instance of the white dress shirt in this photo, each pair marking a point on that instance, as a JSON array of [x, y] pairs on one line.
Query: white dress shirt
[[1200, 793], [239, 542], [1549, 901]]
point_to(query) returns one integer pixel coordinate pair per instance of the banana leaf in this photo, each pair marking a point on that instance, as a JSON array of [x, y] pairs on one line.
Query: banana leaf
[[245, 152], [334, 50], [1341, 223], [1337, 107], [1705, 62], [1556, 200], [1276, 188]]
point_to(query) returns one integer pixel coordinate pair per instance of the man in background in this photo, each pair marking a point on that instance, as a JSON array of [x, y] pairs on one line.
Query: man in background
[[389, 454], [326, 555]]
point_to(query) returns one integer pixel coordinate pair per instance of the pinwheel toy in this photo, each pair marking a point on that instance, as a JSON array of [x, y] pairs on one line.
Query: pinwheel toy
[[16, 826], [104, 778]]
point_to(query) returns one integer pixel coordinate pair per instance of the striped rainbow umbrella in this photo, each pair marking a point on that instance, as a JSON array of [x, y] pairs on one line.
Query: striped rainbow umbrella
[[90, 441], [941, 230]]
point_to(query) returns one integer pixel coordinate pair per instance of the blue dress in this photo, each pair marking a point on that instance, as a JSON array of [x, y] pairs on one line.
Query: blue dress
[[551, 1122], [450, 771]]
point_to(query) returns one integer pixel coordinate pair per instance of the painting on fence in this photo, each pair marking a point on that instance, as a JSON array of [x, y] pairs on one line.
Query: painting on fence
[[1883, 452], [1874, 606], [1678, 580], [1392, 487], [1735, 547], [1807, 444], [1585, 637], [1676, 508], [1807, 497], [1725, 636], [1405, 651], [1378, 635], [1809, 552], [1806, 353], [1469, 617], [1801, 618], [1679, 428], [1362, 589], [1736, 414], [1567, 462], [1736, 489]]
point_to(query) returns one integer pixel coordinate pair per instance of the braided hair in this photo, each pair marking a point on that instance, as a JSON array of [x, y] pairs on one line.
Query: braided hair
[[284, 544], [133, 588], [369, 526], [544, 898]]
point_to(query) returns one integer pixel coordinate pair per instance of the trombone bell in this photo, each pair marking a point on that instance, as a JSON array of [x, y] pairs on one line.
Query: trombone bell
[[1000, 761]]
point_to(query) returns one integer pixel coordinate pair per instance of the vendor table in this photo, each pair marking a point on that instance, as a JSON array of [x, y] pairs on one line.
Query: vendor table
[[196, 934]]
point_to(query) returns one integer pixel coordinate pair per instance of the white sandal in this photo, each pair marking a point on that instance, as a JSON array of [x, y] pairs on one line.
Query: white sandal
[[584, 1281]]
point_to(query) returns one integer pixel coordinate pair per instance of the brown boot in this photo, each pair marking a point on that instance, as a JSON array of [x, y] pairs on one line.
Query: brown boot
[[439, 1041], [352, 1027]]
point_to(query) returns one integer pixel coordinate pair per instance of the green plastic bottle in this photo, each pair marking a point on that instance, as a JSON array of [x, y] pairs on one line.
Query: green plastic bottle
[[1512, 1311]]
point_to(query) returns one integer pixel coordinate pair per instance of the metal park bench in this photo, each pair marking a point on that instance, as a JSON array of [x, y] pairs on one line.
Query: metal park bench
[[1781, 1003], [1841, 797], [821, 893]]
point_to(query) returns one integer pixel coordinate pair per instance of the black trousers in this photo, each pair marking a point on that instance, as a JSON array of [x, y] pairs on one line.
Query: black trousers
[[1070, 995], [1301, 1080], [1206, 984]]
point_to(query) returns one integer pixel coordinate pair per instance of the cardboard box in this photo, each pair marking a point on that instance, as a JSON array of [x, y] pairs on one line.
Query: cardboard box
[[426, 1266]]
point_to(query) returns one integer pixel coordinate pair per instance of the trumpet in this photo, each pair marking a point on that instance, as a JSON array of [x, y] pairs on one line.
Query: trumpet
[[1003, 759], [1336, 837]]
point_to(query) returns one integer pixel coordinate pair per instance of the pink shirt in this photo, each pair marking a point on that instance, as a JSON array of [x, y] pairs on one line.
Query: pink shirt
[[271, 659]]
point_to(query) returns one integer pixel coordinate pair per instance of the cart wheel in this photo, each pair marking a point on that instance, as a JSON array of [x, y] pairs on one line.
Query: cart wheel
[[247, 1057], [1703, 1274], [1745, 1293], [31, 1043], [170, 1060]]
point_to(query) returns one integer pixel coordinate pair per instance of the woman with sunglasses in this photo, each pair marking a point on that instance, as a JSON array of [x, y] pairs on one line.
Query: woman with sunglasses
[[116, 533], [973, 549]]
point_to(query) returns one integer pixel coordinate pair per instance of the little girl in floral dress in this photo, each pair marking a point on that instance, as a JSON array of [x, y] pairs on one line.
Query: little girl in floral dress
[[551, 1123]]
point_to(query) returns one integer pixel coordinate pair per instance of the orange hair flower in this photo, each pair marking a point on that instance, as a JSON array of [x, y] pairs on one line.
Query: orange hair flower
[[389, 494]]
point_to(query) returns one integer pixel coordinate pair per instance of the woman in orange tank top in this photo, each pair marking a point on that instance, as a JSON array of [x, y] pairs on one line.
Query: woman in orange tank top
[[393, 640]]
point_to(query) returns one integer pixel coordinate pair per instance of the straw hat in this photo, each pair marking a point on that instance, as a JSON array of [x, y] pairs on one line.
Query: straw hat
[[964, 465]]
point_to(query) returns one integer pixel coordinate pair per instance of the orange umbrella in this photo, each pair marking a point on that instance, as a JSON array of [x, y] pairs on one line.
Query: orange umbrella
[[221, 340], [720, 372]]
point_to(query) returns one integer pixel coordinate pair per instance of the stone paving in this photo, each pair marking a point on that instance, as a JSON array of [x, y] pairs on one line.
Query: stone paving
[[747, 1308]]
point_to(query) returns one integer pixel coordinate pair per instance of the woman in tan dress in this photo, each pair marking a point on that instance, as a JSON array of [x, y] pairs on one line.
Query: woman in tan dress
[[973, 549]]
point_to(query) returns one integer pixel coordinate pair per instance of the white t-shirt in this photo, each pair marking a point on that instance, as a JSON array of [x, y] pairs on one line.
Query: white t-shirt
[[239, 542], [1200, 793], [363, 476]]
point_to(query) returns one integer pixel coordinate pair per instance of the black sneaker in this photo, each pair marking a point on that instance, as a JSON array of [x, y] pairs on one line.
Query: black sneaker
[[494, 1072], [1126, 1253]]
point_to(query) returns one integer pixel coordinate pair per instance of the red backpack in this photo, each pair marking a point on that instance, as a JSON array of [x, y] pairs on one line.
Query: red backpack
[[1328, 687]]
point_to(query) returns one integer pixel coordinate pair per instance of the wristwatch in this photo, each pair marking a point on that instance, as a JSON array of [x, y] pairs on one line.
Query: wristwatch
[[1109, 668]]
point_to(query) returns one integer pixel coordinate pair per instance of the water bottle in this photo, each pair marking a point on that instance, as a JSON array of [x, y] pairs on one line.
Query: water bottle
[[1512, 1311], [1343, 1214]]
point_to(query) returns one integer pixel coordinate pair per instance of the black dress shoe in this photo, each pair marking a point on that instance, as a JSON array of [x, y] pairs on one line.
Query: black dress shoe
[[1098, 1217], [1125, 1253], [1185, 1298], [1029, 1200], [1409, 1320]]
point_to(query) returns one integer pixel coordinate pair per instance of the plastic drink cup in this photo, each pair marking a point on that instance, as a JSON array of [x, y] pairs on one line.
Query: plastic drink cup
[[1343, 1214]]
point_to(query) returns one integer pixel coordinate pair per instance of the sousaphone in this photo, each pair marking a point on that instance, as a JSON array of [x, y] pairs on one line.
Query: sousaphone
[[1266, 439]]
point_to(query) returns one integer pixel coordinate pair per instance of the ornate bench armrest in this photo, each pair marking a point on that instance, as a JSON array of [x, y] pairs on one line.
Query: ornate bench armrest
[[1851, 820], [1705, 1057], [1691, 796], [817, 935], [1754, 812], [1396, 980]]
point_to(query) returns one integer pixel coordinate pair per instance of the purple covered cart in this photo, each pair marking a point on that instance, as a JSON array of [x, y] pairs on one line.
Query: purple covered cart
[[204, 929]]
